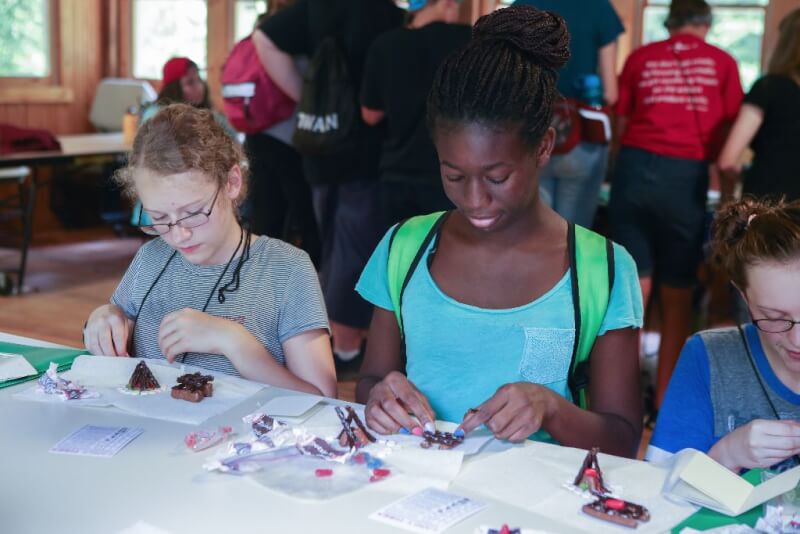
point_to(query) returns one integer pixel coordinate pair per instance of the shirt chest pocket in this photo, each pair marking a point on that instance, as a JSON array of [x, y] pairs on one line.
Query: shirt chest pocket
[[547, 354]]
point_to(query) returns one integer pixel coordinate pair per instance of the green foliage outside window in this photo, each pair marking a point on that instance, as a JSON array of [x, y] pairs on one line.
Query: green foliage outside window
[[24, 39]]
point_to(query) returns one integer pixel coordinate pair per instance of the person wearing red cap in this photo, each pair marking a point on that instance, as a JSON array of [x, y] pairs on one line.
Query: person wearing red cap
[[181, 82]]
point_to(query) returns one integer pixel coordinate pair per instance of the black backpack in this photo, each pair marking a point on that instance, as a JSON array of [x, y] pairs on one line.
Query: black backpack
[[328, 116]]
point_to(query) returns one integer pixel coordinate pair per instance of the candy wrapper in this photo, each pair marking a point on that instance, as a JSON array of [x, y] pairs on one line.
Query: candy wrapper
[[52, 384], [296, 462], [204, 439], [264, 426]]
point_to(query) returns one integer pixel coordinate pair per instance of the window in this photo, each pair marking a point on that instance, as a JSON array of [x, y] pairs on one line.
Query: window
[[738, 28], [245, 16], [167, 28], [25, 38]]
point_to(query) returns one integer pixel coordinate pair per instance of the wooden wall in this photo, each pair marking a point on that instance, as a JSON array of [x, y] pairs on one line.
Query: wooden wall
[[93, 41], [63, 107]]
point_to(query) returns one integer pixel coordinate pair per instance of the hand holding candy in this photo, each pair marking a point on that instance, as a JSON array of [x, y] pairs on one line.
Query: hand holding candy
[[390, 402], [514, 412], [107, 331]]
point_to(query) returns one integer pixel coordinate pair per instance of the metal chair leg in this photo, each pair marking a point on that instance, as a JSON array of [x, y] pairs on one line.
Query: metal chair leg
[[28, 198]]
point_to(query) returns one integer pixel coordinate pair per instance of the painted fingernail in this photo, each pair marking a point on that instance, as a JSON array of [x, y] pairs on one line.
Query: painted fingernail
[[459, 432], [417, 431], [430, 427], [404, 430]]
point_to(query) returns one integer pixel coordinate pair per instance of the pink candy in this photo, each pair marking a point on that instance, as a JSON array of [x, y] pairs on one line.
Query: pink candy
[[323, 472]]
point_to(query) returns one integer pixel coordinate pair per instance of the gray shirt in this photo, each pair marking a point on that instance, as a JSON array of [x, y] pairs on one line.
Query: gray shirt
[[278, 297]]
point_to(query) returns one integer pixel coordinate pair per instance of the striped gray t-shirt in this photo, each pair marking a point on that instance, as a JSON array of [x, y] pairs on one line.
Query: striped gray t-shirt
[[278, 297]]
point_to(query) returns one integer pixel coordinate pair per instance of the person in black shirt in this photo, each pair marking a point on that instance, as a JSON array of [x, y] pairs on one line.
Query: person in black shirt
[[344, 189], [398, 75], [769, 122]]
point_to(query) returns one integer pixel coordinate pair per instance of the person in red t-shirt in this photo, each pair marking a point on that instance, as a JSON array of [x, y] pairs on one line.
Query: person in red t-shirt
[[677, 100]]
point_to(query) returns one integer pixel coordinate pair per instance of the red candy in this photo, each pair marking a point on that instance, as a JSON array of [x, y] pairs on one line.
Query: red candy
[[324, 472], [614, 504], [381, 472]]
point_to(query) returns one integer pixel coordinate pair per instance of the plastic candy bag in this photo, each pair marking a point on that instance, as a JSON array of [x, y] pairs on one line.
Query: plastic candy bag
[[204, 439]]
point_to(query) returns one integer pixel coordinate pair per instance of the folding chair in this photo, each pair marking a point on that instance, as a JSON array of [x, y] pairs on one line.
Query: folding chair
[[19, 205]]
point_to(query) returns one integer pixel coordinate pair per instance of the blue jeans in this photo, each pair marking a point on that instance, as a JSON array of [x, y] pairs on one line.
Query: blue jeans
[[571, 182]]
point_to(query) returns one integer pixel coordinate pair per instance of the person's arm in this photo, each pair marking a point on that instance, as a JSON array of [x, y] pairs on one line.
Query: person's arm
[[372, 116], [607, 65], [278, 64], [382, 384], [375, 79], [748, 122], [190, 330], [310, 358]]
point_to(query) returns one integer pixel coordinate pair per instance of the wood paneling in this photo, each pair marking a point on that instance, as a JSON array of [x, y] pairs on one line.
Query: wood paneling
[[78, 67]]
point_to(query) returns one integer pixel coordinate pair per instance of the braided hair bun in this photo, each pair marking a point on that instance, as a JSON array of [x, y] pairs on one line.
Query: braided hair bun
[[541, 35], [505, 76]]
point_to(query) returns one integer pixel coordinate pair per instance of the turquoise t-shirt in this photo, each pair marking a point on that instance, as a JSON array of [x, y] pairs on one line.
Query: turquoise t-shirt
[[459, 355]]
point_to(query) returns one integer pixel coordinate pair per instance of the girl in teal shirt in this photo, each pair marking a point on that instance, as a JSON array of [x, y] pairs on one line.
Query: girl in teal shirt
[[488, 315]]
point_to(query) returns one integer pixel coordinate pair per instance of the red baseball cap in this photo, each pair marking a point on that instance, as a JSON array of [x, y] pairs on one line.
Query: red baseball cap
[[175, 69]]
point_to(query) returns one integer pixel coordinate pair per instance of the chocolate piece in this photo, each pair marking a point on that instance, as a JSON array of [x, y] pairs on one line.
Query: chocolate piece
[[352, 437], [505, 530], [445, 440], [590, 474], [617, 511], [180, 392], [470, 412], [193, 387], [142, 379]]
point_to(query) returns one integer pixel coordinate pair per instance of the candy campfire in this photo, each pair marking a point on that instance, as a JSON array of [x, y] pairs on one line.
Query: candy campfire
[[142, 379]]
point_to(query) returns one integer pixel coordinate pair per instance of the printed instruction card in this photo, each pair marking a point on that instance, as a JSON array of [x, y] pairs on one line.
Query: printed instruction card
[[430, 511], [100, 441]]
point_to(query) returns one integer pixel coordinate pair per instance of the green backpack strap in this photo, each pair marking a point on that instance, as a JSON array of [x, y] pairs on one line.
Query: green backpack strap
[[591, 258], [406, 246]]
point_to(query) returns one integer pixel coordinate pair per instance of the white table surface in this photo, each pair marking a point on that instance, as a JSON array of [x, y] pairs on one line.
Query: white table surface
[[74, 145], [155, 479]]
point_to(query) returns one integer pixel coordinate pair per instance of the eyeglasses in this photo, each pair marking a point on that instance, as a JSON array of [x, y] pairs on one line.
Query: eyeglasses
[[774, 326], [190, 221]]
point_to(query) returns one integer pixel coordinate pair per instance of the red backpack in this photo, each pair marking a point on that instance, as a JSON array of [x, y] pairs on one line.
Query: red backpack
[[253, 102]]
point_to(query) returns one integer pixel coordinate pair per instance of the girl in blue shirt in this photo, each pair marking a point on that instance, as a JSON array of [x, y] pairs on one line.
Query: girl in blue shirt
[[488, 316], [735, 393]]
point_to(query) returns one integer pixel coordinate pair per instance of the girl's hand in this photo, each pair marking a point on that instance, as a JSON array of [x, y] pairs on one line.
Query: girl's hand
[[390, 402], [190, 330], [759, 443], [107, 331], [514, 412]]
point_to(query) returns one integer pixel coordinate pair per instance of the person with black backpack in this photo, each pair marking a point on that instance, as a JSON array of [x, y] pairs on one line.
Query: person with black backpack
[[398, 75], [340, 153]]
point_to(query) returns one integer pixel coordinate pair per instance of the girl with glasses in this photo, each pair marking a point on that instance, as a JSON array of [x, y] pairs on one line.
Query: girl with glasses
[[735, 392], [207, 292]]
